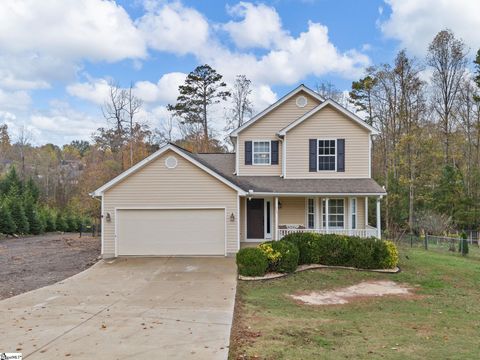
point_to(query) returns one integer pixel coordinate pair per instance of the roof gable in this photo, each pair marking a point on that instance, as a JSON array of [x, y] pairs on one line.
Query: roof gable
[[335, 105], [155, 155], [275, 105]]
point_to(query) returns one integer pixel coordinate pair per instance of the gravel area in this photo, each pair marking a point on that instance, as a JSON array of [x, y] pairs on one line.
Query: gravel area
[[32, 262]]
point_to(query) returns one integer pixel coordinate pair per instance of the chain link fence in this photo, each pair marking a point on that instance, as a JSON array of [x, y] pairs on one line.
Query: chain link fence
[[447, 244]]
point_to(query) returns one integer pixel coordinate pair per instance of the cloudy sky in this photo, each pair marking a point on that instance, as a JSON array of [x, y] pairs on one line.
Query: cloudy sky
[[57, 56]]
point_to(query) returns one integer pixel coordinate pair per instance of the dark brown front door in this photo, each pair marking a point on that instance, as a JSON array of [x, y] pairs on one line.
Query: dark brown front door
[[255, 219]]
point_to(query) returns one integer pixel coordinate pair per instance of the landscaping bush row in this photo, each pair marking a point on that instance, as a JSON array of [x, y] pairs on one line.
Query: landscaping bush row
[[21, 212], [310, 248]]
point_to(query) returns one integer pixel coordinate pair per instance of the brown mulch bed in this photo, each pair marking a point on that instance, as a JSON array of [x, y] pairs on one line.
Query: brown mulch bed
[[29, 263]]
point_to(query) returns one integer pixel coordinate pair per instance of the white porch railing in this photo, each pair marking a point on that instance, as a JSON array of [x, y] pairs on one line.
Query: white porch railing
[[364, 233]]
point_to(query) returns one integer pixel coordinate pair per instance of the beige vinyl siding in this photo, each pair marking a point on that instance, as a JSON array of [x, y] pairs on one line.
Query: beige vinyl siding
[[328, 123], [266, 129], [157, 186], [292, 211]]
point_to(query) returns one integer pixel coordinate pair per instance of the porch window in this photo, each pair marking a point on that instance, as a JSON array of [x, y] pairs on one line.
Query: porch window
[[353, 212], [261, 153], [327, 155], [311, 213], [336, 213]]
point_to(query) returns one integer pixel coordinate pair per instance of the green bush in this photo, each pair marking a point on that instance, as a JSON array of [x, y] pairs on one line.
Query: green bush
[[341, 250], [7, 225], [272, 255], [60, 222], [252, 262], [289, 254], [305, 242]]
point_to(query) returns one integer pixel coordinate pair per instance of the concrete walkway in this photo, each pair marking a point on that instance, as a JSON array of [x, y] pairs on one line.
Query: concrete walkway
[[149, 308]]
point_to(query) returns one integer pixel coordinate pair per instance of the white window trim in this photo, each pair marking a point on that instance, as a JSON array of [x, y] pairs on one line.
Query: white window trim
[[308, 213], [269, 152], [352, 213], [329, 213], [318, 156]]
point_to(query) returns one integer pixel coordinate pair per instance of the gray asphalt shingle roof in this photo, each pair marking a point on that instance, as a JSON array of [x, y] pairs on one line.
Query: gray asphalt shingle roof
[[224, 165]]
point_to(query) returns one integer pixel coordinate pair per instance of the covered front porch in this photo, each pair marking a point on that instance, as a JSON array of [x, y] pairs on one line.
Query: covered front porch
[[272, 217]]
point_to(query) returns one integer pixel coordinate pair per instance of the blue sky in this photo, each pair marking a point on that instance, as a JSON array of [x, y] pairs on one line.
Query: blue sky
[[57, 57]]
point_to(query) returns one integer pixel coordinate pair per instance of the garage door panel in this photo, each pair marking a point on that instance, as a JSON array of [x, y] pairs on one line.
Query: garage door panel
[[171, 232]]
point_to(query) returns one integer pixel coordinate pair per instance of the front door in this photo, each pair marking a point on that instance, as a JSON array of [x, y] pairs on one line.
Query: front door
[[255, 219]]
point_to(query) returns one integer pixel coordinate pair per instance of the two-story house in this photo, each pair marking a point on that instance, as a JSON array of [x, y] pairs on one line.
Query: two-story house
[[302, 164]]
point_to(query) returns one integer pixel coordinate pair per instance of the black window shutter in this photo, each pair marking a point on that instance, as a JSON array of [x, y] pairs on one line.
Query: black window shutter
[[274, 152], [248, 153], [341, 155], [312, 163]]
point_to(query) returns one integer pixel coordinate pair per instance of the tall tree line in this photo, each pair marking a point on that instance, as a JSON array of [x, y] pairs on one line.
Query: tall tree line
[[428, 152]]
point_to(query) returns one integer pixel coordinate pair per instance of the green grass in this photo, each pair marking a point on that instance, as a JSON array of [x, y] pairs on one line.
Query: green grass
[[441, 321]]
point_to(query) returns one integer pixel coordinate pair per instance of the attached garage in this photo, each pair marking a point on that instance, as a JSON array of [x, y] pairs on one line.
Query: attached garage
[[169, 232]]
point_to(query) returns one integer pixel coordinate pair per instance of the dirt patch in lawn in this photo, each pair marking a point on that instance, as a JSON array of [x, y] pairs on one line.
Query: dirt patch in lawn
[[32, 262], [362, 290]]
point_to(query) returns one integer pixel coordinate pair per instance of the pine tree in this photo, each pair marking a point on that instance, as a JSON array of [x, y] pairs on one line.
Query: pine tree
[[17, 212], [61, 223], [7, 225], [202, 88]]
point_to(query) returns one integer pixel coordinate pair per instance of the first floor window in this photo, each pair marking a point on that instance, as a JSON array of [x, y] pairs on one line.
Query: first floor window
[[311, 214], [336, 213], [353, 212], [327, 158], [261, 153]]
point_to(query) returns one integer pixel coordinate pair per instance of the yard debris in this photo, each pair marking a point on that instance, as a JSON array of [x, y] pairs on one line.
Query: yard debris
[[345, 295]]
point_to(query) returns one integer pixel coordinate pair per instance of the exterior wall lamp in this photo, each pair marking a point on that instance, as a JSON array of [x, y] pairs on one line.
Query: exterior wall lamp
[[108, 217], [232, 217]]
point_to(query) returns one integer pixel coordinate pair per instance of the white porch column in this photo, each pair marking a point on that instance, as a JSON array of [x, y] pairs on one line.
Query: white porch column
[[326, 214], [276, 218], [366, 212], [379, 224]]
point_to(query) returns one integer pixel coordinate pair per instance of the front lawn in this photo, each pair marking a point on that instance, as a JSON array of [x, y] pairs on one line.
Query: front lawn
[[441, 320]]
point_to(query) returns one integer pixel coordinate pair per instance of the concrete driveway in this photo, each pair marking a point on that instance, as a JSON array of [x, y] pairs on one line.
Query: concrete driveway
[[145, 308]]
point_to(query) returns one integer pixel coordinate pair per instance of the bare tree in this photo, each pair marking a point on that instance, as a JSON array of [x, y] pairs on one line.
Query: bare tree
[[22, 142], [447, 57], [165, 133], [114, 111], [242, 106], [133, 107], [329, 91]]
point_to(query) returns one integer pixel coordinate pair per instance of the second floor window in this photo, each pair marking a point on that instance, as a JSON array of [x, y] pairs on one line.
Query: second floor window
[[261, 153], [327, 155]]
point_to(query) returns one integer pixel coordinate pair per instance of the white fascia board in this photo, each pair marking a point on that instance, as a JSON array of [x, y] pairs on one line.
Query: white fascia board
[[253, 194], [139, 165], [337, 106], [279, 102]]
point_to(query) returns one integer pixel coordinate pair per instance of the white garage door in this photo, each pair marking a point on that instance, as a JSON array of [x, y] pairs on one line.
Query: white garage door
[[171, 232]]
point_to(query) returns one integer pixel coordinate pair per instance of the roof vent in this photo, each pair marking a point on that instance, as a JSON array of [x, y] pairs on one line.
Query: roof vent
[[171, 162], [301, 101]]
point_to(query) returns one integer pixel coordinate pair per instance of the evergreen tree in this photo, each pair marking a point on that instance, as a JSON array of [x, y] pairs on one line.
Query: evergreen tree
[[17, 212], [7, 225], [61, 223], [11, 181], [202, 88]]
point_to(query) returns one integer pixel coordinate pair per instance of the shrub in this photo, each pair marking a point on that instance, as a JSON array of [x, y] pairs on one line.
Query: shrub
[[7, 225], [341, 250], [60, 222], [305, 242], [273, 256], [391, 259], [289, 254], [252, 262]]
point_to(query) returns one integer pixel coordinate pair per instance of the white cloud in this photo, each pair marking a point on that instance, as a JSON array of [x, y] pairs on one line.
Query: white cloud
[[174, 28], [43, 41], [95, 91], [61, 124], [14, 100], [415, 23], [164, 91], [261, 25]]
